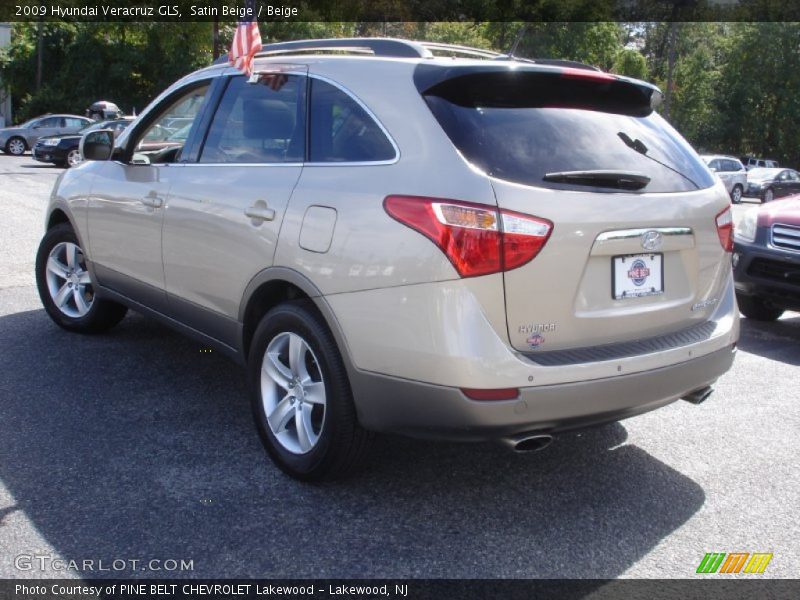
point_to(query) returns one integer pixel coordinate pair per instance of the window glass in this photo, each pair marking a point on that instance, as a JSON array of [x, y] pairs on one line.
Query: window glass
[[159, 135], [73, 122], [524, 145], [732, 165], [715, 164], [50, 122], [342, 131], [261, 122]]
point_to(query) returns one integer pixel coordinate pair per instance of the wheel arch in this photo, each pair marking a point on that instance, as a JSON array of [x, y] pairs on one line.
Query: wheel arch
[[275, 285], [56, 217]]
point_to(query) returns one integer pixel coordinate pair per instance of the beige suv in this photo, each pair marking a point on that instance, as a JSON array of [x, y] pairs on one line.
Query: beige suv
[[392, 240]]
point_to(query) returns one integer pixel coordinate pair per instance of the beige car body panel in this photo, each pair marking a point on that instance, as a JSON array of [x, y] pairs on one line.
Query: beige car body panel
[[411, 330]]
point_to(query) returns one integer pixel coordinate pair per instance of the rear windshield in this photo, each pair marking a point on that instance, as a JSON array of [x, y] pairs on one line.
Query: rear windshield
[[522, 142]]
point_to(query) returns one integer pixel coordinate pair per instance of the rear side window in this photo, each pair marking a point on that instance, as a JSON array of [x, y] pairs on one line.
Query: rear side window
[[259, 122], [525, 129], [341, 130], [51, 122], [733, 165]]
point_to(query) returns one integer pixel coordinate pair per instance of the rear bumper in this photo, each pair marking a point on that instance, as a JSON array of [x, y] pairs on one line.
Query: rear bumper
[[425, 410]]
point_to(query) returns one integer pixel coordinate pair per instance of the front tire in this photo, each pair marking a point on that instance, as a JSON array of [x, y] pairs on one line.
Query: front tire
[[73, 158], [757, 309], [769, 196], [301, 397], [16, 146], [736, 194], [66, 288]]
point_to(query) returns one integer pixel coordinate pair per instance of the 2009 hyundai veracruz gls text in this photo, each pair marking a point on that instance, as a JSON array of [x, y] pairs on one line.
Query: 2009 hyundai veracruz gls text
[[390, 240]]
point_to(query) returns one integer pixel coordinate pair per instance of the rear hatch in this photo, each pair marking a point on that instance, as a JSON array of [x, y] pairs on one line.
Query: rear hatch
[[636, 249]]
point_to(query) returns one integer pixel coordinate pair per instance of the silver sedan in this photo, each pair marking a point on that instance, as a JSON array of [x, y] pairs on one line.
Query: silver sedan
[[16, 140]]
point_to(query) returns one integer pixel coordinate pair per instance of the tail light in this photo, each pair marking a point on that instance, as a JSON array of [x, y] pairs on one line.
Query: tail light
[[477, 239], [725, 229]]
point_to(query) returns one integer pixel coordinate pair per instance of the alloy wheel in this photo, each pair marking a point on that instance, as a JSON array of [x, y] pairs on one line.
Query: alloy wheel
[[293, 393], [737, 195], [74, 158], [16, 147], [68, 280]]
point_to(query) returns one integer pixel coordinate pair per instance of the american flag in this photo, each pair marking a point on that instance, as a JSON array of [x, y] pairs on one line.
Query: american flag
[[246, 40]]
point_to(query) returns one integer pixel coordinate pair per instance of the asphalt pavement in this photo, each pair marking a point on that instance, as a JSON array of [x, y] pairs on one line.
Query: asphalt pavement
[[138, 446]]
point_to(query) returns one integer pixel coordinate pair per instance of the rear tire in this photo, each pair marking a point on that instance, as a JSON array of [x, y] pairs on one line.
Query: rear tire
[[736, 194], [757, 309], [301, 397], [66, 288]]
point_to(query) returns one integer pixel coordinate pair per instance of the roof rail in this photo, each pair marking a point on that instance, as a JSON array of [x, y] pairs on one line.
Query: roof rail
[[399, 48], [459, 50], [389, 47]]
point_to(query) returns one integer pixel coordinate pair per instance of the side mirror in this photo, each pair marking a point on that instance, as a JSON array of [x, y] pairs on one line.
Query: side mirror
[[712, 169], [97, 145]]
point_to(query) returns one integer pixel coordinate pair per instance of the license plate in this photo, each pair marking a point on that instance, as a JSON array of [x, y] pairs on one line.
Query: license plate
[[637, 275]]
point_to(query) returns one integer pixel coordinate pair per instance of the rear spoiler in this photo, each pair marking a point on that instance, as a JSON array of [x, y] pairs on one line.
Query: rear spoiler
[[520, 85]]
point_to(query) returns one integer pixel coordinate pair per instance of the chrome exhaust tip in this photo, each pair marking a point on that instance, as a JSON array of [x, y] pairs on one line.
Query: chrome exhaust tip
[[528, 442], [699, 396]]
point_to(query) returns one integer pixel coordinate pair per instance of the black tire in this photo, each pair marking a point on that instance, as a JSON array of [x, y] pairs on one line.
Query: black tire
[[342, 444], [101, 315], [736, 194], [12, 146], [767, 196], [757, 309]]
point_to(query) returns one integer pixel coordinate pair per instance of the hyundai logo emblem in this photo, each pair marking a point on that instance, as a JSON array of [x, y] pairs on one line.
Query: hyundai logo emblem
[[652, 240]]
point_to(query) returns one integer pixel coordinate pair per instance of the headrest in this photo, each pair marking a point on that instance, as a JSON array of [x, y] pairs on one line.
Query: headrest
[[267, 120]]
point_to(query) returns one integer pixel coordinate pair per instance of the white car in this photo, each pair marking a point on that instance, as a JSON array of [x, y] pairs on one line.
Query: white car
[[732, 173]]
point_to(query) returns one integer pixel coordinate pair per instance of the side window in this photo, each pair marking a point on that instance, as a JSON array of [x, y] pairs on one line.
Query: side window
[[171, 127], [791, 176], [342, 131], [736, 166], [73, 122], [715, 164], [261, 122], [51, 122]]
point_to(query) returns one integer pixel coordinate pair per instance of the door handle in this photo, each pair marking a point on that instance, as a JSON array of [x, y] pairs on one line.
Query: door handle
[[153, 200], [260, 212]]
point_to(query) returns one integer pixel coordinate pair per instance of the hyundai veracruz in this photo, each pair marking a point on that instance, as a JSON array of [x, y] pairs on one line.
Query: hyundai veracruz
[[479, 248]]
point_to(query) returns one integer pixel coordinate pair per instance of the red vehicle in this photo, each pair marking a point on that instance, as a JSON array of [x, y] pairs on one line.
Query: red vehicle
[[766, 259]]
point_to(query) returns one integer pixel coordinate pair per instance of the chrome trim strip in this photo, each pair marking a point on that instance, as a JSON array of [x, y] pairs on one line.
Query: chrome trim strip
[[235, 164], [626, 234]]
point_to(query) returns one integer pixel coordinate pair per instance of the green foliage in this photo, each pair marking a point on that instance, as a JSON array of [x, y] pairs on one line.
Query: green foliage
[[631, 63], [734, 85], [127, 63]]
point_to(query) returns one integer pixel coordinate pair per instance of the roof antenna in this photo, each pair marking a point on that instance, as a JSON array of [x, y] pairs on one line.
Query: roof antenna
[[520, 34]]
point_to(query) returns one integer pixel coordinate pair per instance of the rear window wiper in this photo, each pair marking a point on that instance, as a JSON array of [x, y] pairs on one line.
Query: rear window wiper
[[642, 149], [623, 180]]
